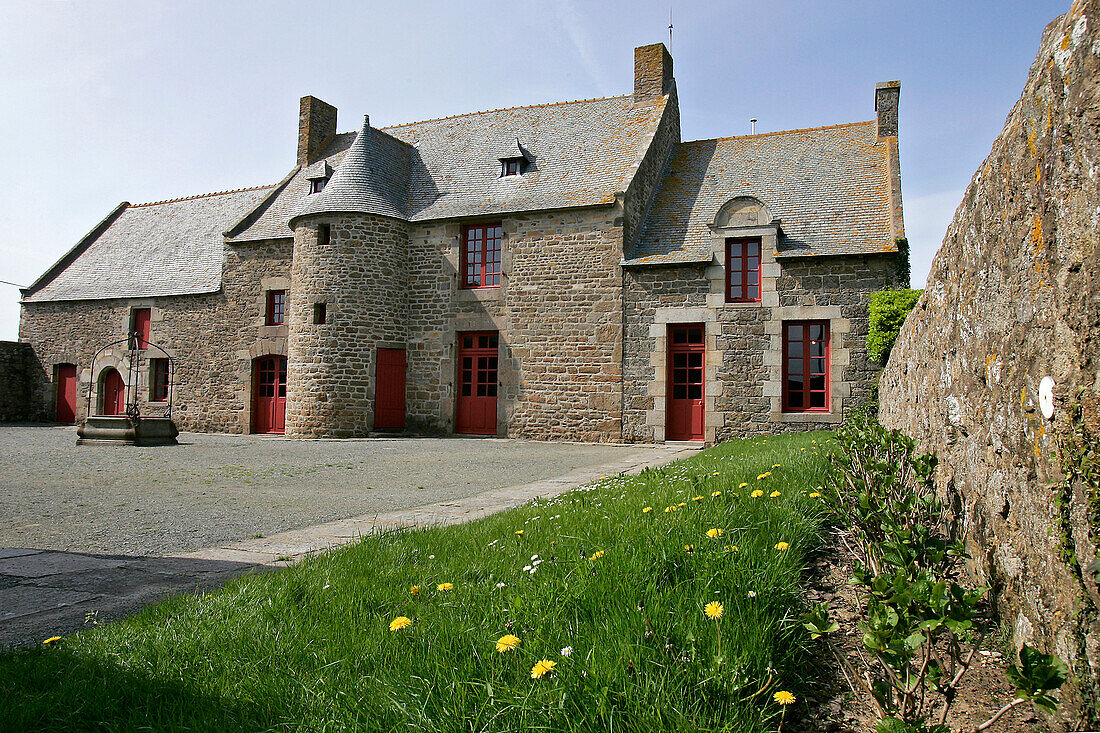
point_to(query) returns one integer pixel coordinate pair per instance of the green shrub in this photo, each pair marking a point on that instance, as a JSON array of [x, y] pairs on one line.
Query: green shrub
[[888, 309]]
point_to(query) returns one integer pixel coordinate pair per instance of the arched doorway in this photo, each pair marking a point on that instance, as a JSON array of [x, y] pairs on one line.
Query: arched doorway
[[112, 393], [269, 394]]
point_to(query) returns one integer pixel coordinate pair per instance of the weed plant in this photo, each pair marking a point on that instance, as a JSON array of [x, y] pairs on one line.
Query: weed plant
[[584, 612]]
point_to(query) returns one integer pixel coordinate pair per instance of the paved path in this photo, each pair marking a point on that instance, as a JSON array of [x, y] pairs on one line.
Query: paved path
[[45, 592]]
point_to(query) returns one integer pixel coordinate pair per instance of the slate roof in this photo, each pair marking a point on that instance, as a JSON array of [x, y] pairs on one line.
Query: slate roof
[[164, 248], [828, 186]]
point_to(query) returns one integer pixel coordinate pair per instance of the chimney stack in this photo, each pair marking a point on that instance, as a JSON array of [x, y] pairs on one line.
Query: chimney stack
[[652, 72], [887, 94], [316, 126]]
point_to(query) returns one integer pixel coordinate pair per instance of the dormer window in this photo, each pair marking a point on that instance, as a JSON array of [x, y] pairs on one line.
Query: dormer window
[[511, 167], [317, 184], [513, 158], [318, 175]]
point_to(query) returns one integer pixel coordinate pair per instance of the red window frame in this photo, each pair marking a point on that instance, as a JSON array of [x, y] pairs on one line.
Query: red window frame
[[806, 356], [276, 307], [480, 256], [158, 380], [511, 167], [141, 324], [742, 267], [317, 184]]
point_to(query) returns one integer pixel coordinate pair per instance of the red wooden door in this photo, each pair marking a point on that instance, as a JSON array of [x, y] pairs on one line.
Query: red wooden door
[[113, 392], [389, 389], [476, 412], [66, 393], [269, 402], [685, 383]]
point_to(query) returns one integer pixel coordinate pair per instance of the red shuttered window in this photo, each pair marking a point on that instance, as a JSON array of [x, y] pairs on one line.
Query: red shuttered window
[[806, 366], [481, 256], [276, 307], [743, 270], [158, 380], [142, 319]]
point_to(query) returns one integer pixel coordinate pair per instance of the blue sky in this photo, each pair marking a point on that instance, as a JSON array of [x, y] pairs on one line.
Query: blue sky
[[143, 100]]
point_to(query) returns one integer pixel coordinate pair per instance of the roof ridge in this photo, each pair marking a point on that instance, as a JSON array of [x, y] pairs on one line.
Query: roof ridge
[[505, 109], [782, 132], [203, 195]]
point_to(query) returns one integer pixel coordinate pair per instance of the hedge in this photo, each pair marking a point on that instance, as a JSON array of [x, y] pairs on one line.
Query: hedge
[[888, 309]]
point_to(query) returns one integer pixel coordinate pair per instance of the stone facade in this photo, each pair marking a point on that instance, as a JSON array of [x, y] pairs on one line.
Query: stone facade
[[15, 376], [1012, 298]]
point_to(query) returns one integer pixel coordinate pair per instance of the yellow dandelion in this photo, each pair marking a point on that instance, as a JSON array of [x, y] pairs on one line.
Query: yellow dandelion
[[668, 509], [507, 643], [400, 622], [733, 548], [696, 498], [51, 640], [647, 510], [714, 610], [716, 493], [782, 545], [519, 533], [542, 667], [815, 494], [774, 494], [783, 697], [682, 503], [756, 494], [715, 473], [689, 548], [597, 555], [775, 466], [414, 590], [444, 586], [714, 533], [742, 485], [763, 476]]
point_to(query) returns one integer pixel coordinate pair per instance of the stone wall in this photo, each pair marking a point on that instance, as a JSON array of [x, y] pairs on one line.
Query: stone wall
[[1013, 296], [743, 340], [15, 383], [212, 380], [361, 277]]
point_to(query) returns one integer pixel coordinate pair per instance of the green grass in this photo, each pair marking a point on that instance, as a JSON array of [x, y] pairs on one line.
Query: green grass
[[309, 648]]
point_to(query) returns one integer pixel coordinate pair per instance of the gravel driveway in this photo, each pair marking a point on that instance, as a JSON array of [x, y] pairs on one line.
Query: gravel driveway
[[213, 489]]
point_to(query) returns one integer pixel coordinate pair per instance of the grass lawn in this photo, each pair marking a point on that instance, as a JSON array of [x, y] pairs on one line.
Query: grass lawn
[[607, 592]]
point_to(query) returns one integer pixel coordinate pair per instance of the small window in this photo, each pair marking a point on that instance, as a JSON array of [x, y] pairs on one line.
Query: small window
[[481, 256], [276, 307], [511, 167], [140, 324], [320, 313], [316, 185], [323, 235], [806, 366], [158, 380], [742, 270]]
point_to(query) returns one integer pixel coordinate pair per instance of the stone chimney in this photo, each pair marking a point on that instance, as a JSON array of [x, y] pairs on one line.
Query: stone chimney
[[316, 125], [887, 94], [652, 72]]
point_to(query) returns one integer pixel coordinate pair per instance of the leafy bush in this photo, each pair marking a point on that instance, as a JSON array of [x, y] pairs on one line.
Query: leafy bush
[[888, 309]]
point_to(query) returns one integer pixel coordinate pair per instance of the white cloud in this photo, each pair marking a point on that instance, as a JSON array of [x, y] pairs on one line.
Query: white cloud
[[926, 221], [572, 22]]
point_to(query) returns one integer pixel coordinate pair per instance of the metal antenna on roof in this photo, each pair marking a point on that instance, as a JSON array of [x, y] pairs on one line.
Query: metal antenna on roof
[[670, 26], [753, 121]]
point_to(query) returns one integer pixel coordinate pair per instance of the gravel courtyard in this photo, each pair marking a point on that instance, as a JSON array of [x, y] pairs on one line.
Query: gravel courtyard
[[212, 489]]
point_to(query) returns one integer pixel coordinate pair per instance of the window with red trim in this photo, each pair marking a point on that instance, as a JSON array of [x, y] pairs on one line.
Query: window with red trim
[[276, 307], [481, 256], [511, 166], [806, 366], [142, 319], [743, 270], [158, 380]]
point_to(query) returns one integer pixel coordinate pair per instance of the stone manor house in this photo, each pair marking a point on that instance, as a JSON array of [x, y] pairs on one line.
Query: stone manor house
[[561, 271]]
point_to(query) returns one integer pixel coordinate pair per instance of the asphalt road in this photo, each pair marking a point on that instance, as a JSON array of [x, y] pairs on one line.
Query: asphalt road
[[213, 489]]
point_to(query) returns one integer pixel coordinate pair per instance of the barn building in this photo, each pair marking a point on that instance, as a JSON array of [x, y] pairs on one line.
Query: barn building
[[566, 271]]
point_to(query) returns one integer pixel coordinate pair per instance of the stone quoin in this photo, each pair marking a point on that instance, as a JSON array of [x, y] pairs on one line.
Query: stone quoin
[[567, 271]]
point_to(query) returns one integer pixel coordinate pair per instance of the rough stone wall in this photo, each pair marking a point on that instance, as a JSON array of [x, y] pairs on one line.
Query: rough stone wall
[[743, 340], [15, 384], [212, 381], [558, 312], [1013, 296], [361, 276]]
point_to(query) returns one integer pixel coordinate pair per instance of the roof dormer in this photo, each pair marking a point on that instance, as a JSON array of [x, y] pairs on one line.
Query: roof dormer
[[513, 159], [318, 175]]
